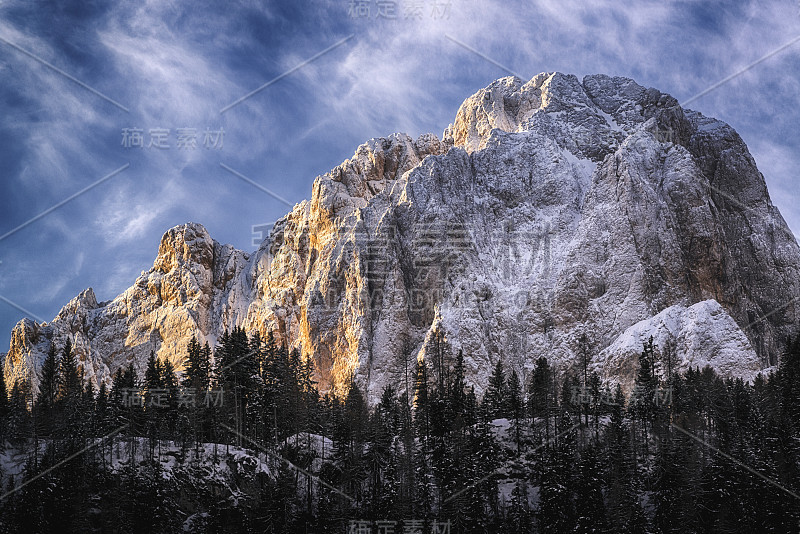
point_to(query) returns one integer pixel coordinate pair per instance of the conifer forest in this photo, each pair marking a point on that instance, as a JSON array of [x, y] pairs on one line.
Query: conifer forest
[[242, 441]]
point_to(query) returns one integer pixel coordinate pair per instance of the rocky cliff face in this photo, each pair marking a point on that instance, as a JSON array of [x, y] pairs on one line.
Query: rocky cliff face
[[555, 216]]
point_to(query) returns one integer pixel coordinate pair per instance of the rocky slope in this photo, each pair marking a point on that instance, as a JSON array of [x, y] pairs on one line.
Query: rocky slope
[[552, 211]]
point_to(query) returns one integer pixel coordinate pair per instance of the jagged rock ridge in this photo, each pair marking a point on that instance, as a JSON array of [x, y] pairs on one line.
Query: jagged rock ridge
[[552, 211]]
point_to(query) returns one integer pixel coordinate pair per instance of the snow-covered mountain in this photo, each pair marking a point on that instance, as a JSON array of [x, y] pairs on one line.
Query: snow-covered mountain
[[552, 211]]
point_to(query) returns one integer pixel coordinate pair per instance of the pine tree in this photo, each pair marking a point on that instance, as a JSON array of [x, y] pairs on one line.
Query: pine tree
[[423, 420], [519, 518], [556, 507], [273, 372], [515, 406], [196, 382], [69, 379], [198, 366], [206, 366], [308, 395], [19, 418], [495, 398], [675, 491], [349, 439], [169, 381], [422, 409], [48, 382], [643, 396], [71, 423], [540, 396], [590, 508], [595, 398], [478, 505], [153, 373], [788, 381], [382, 483], [153, 397], [125, 408], [458, 392], [571, 401], [624, 509], [236, 365], [102, 417], [169, 378]]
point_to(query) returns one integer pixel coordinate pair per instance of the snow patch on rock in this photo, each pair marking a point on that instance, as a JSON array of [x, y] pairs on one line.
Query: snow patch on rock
[[700, 335]]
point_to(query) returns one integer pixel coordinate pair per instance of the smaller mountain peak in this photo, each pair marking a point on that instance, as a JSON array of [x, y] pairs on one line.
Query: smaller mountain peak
[[189, 227], [375, 164], [87, 298], [185, 243]]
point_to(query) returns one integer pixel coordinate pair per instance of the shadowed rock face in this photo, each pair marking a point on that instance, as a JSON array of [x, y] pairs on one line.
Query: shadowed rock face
[[551, 211]]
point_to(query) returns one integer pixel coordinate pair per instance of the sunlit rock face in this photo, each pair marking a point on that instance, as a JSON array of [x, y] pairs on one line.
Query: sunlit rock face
[[552, 211]]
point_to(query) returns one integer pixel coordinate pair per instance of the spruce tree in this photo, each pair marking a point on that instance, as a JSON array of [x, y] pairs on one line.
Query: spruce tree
[[540, 397], [675, 491], [196, 382], [103, 417], [519, 517], [153, 398], [153, 373], [457, 392], [71, 421], [349, 439], [643, 397], [495, 398], [19, 418], [192, 369], [169, 381], [556, 505], [594, 401], [515, 406], [590, 508], [423, 418], [571, 400], [788, 381], [48, 381], [70, 385], [382, 490]]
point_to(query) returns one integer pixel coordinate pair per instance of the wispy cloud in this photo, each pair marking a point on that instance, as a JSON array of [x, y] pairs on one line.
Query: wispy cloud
[[175, 66]]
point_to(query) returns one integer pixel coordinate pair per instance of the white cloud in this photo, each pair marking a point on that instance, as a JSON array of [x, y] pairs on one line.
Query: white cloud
[[176, 68]]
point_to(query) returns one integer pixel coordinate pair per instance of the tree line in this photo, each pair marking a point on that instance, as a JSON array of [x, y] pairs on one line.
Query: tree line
[[551, 452]]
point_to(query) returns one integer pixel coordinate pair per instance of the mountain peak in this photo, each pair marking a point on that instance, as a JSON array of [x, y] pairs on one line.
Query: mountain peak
[[555, 216], [185, 243], [589, 118]]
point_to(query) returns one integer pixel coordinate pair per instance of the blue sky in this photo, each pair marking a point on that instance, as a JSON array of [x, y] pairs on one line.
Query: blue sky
[[160, 65]]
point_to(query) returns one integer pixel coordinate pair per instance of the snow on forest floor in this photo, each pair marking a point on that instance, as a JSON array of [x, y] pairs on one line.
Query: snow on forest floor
[[225, 459], [223, 463]]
